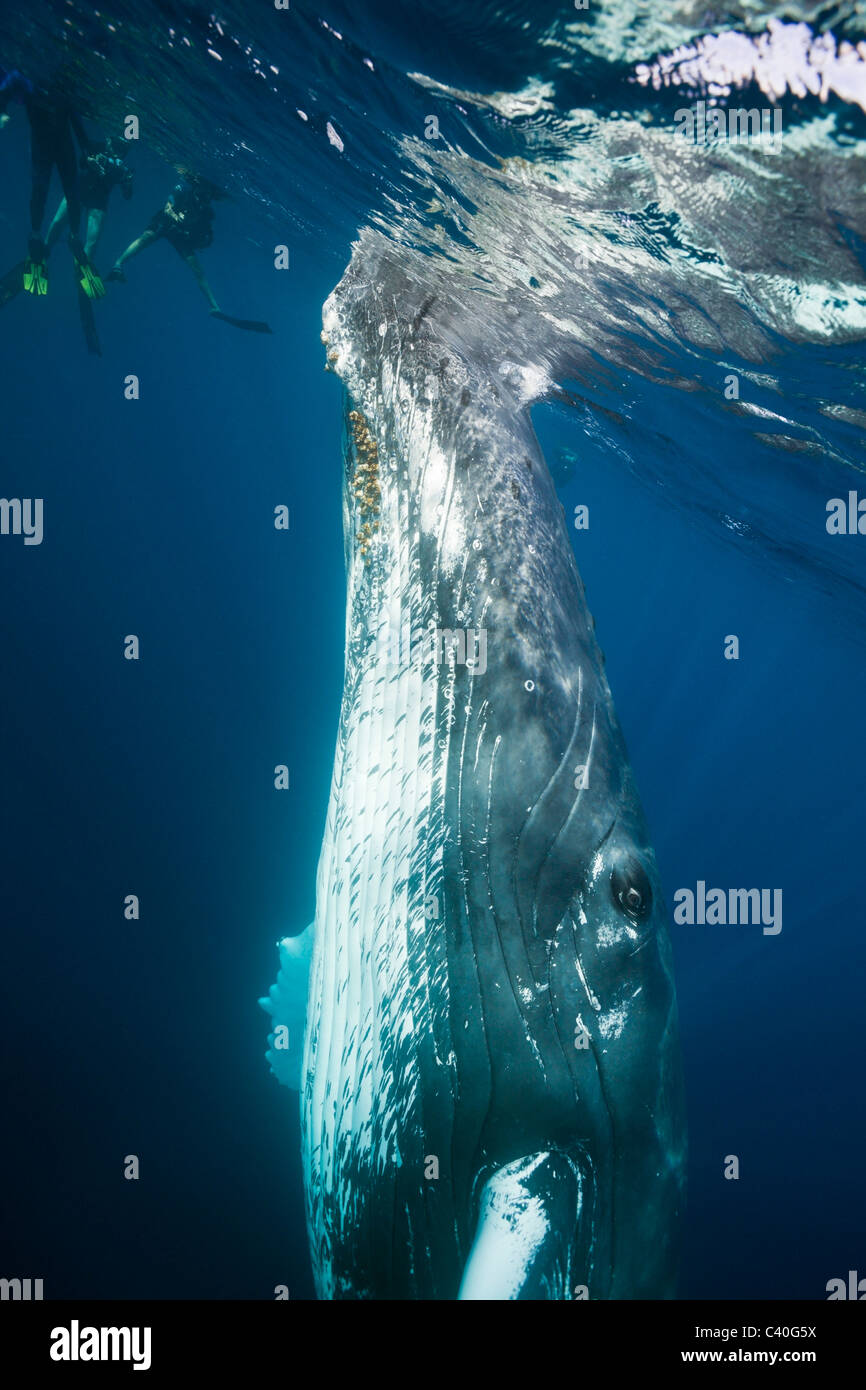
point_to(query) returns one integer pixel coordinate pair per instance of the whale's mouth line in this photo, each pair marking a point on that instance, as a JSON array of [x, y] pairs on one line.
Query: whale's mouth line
[[593, 867], [607, 834]]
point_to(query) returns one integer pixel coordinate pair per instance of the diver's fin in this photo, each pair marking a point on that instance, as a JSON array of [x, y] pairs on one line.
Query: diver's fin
[[528, 1228], [88, 277], [286, 1003], [34, 278], [88, 323], [251, 325], [12, 283]]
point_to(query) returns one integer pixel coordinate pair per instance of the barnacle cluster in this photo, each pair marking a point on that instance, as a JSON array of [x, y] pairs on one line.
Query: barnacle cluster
[[332, 355], [365, 480]]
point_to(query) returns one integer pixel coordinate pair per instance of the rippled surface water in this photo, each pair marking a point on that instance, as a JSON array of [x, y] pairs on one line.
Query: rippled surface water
[[610, 260]]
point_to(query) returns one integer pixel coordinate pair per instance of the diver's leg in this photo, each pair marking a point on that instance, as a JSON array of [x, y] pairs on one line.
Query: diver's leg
[[41, 163], [95, 217], [135, 247], [195, 266], [35, 279], [56, 225], [286, 1003], [531, 1230], [67, 168]]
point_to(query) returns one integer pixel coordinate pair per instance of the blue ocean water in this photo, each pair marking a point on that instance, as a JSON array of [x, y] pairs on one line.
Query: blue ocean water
[[156, 777]]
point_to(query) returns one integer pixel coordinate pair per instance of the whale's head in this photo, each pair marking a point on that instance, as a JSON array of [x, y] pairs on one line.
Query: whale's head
[[629, 1093]]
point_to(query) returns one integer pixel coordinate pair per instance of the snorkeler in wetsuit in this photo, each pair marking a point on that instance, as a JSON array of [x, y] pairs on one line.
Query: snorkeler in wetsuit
[[186, 223], [55, 126], [100, 172]]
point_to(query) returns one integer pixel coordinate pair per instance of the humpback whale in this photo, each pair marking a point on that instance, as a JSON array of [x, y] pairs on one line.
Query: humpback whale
[[490, 1082]]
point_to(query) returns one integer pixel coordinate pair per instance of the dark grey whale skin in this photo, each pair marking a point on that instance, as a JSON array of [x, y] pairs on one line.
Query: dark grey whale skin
[[549, 924]]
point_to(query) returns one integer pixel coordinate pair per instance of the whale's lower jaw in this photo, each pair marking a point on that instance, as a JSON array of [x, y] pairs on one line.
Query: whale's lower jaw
[[491, 1065]]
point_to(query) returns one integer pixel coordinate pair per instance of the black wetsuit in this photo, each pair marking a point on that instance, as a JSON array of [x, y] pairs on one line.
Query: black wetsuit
[[189, 227], [100, 173], [53, 123]]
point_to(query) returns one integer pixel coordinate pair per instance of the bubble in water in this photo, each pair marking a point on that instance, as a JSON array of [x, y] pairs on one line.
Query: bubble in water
[[529, 685], [476, 545]]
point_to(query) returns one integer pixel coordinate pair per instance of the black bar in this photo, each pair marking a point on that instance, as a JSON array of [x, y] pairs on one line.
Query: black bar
[[283, 1340]]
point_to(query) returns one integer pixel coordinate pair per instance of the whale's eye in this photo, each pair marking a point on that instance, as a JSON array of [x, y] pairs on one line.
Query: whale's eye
[[631, 888]]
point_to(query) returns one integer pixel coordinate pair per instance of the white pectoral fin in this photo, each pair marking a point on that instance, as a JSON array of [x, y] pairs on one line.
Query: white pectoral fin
[[527, 1222], [286, 1002]]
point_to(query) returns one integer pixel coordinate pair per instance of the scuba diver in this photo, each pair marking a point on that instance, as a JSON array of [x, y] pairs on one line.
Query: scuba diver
[[186, 223], [55, 127], [102, 170]]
